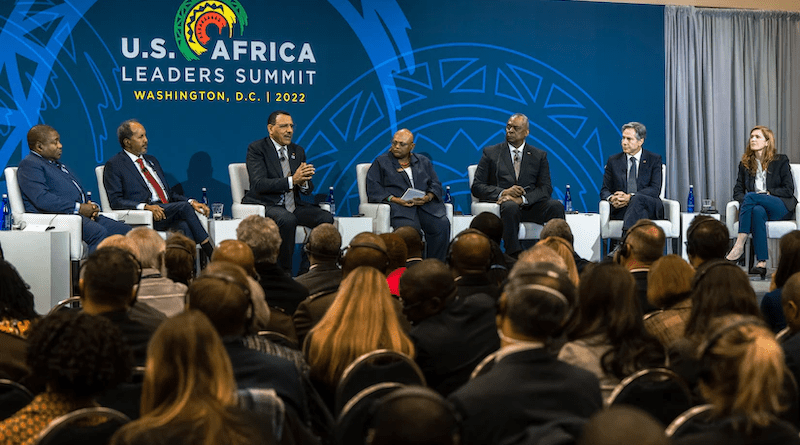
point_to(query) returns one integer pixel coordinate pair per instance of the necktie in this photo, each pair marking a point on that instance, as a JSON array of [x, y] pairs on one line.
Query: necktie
[[159, 191], [288, 200], [632, 176], [517, 162]]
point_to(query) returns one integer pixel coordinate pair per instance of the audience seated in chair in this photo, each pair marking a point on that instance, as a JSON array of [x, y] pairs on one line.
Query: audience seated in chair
[[560, 228], [642, 245], [623, 425], [788, 265], [16, 316], [470, 257], [527, 385], [669, 284], [413, 415], [189, 394], [706, 240], [155, 289], [323, 246], [492, 226], [564, 250], [75, 356], [179, 258], [791, 307], [414, 246], [398, 253], [451, 334]]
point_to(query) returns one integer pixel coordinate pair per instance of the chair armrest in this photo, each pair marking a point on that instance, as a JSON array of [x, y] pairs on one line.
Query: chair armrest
[[448, 211], [797, 215], [110, 215], [381, 215], [604, 208], [732, 216], [135, 217], [480, 207], [672, 213], [242, 211]]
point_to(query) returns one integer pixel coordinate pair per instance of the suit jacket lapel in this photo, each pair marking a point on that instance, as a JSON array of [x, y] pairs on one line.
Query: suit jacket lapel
[[506, 164], [403, 174], [160, 175], [643, 172]]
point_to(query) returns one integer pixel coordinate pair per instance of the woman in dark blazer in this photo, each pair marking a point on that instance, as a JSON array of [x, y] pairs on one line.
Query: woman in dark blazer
[[765, 191]]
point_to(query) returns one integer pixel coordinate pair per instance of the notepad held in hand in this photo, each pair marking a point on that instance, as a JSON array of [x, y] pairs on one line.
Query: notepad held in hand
[[411, 194]]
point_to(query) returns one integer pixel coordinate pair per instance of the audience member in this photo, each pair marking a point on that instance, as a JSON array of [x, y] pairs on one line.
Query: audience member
[[492, 226], [238, 253], [16, 315], [451, 335], [397, 252], [470, 258], [76, 357], [642, 245], [221, 293], [560, 228], [361, 319], [155, 290], [669, 283], [791, 307], [413, 415], [527, 385], [179, 258], [706, 240], [623, 425], [413, 240], [189, 393], [788, 265], [108, 285], [323, 246], [743, 379], [606, 332], [542, 254], [564, 250]]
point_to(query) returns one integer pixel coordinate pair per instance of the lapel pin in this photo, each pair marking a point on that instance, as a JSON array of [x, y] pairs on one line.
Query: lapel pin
[[293, 156], [400, 170]]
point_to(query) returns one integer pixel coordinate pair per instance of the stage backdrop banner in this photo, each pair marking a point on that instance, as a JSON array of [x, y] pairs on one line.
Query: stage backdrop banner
[[202, 76]]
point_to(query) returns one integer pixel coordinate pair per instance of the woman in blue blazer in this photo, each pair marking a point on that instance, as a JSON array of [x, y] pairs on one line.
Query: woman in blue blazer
[[765, 191]]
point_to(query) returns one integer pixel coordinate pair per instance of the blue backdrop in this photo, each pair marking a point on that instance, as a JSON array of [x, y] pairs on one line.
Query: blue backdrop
[[202, 76]]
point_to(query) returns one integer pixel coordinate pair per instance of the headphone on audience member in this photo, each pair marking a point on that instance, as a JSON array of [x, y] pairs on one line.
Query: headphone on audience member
[[624, 250], [707, 345], [320, 254], [502, 304], [340, 261], [180, 247], [448, 259], [251, 311], [690, 241], [416, 392], [701, 274]]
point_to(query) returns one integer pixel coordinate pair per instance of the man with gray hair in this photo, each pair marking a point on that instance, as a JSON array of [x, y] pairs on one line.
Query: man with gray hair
[[155, 289], [516, 175], [632, 180]]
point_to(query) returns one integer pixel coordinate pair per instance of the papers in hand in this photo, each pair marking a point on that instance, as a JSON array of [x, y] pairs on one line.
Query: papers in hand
[[411, 194]]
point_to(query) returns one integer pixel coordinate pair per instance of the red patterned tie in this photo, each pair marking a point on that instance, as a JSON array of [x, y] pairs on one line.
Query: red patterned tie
[[159, 191]]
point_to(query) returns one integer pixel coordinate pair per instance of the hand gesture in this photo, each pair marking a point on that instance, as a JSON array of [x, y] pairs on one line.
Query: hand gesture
[[158, 211], [303, 174]]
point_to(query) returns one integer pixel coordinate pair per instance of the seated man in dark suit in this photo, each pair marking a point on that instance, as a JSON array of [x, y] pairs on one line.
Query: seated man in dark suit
[[48, 187], [397, 170], [451, 335], [323, 246], [516, 175], [222, 294], [469, 260], [527, 385], [632, 180], [278, 175], [135, 180]]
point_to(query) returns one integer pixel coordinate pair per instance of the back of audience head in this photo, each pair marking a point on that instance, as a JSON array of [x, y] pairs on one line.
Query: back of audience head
[[263, 237], [396, 249], [645, 244], [179, 258], [415, 415], [109, 280], [564, 250], [669, 281], [150, 246], [706, 239], [541, 254], [425, 289], [16, 299], [719, 288], [790, 300], [535, 302], [77, 354], [365, 249], [789, 262], [236, 252], [121, 242], [743, 370], [413, 240], [560, 228], [222, 293], [470, 253], [324, 244], [490, 224], [623, 425]]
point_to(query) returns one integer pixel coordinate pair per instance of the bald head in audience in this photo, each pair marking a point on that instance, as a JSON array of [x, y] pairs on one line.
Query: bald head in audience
[[236, 252], [470, 253], [490, 224], [366, 249]]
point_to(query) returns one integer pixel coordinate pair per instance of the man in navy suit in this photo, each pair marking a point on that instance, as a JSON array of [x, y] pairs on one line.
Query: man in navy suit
[[632, 180], [397, 170], [135, 180], [49, 187], [516, 175], [278, 174]]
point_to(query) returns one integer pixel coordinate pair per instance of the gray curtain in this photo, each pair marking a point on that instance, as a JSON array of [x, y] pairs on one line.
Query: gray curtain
[[726, 71]]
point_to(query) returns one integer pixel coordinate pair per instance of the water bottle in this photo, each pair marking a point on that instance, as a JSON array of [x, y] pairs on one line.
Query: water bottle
[[690, 200], [447, 198], [567, 201], [6, 214], [88, 197], [205, 196], [331, 201]]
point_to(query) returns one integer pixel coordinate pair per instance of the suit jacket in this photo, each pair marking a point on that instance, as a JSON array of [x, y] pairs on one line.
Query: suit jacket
[[46, 188], [495, 173], [648, 176], [280, 289], [321, 277], [125, 186], [529, 387], [780, 182], [267, 181], [385, 177]]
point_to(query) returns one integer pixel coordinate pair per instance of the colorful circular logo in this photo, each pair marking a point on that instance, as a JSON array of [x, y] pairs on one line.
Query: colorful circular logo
[[195, 16]]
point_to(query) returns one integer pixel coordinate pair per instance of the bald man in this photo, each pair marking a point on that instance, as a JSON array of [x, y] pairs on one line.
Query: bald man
[[470, 259], [397, 170]]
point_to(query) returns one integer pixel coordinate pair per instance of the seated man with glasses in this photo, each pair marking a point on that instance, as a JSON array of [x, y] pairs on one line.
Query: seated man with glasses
[[516, 175]]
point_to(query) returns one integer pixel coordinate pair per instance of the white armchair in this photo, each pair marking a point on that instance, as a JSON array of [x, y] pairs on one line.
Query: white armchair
[[671, 224], [62, 223], [527, 230], [775, 229], [381, 212]]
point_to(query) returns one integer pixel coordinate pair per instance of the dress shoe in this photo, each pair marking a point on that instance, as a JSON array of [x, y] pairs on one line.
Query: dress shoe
[[755, 270], [738, 260]]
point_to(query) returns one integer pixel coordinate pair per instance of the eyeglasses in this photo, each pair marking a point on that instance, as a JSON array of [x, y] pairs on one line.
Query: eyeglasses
[[514, 127], [400, 144]]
